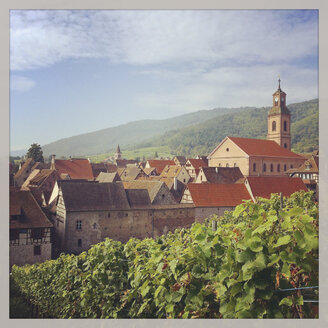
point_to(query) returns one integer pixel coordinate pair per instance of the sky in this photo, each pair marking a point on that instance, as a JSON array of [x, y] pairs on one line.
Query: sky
[[73, 72]]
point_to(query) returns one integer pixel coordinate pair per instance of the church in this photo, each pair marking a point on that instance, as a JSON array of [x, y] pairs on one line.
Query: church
[[257, 157]]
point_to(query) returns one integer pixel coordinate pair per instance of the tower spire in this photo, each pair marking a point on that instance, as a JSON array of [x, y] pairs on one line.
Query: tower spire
[[279, 82]]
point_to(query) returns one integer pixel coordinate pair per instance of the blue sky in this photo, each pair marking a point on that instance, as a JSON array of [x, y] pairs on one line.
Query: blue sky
[[73, 72]]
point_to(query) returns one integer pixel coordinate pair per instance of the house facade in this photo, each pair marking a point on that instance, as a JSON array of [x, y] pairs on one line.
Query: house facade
[[110, 211], [30, 230]]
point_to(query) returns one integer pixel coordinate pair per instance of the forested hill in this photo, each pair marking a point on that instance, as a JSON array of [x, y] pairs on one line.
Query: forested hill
[[250, 123], [106, 140]]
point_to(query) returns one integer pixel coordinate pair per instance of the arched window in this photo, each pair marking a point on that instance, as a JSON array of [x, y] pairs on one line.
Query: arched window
[[274, 126], [264, 167], [285, 145], [227, 165], [285, 125], [254, 167], [285, 167], [278, 168], [271, 167]]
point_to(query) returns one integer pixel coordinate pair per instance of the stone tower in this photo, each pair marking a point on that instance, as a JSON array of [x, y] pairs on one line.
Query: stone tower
[[118, 154], [279, 120]]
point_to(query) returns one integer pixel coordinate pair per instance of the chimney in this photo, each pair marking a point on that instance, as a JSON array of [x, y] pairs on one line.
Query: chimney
[[175, 183], [216, 170], [52, 166], [89, 160]]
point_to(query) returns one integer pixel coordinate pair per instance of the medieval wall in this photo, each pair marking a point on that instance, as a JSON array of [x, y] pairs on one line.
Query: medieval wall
[[122, 225], [24, 254]]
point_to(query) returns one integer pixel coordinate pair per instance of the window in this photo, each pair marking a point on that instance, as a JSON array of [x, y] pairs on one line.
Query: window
[[285, 125], [271, 167], [37, 233], [227, 165], [291, 166], [254, 167], [285, 167], [264, 167], [227, 149], [37, 250], [14, 234], [94, 226], [274, 126], [219, 164], [234, 164], [285, 145], [78, 225], [79, 242], [278, 168], [108, 215]]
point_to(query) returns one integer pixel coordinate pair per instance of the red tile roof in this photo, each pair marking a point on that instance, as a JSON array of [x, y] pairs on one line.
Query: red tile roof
[[259, 147], [159, 164], [211, 195], [197, 163], [75, 168], [265, 186]]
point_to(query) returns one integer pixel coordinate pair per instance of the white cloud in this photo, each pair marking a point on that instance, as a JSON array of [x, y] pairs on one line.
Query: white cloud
[[42, 38], [229, 87], [21, 83]]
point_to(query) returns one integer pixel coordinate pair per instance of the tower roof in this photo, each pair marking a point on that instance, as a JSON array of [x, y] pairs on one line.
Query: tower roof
[[118, 150], [280, 108]]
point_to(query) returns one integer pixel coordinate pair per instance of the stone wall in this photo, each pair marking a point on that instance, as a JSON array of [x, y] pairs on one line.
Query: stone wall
[[122, 225], [24, 254], [202, 213]]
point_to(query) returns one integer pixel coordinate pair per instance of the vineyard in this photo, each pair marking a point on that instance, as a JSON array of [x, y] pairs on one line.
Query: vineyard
[[258, 261]]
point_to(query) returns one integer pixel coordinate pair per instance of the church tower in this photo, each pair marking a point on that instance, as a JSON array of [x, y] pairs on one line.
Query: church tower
[[279, 120], [118, 154]]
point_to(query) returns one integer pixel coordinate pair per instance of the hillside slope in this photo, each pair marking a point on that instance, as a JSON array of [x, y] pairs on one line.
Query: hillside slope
[[106, 140], [251, 123]]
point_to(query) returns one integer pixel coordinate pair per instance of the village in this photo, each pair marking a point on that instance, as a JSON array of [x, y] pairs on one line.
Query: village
[[66, 206]]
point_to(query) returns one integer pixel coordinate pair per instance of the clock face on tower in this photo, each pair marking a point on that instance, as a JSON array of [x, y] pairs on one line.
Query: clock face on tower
[[276, 99]]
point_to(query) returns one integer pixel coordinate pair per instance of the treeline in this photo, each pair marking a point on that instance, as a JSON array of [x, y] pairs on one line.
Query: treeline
[[236, 266], [202, 138]]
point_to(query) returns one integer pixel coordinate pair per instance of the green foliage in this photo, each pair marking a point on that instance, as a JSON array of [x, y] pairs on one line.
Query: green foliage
[[202, 138], [35, 152], [235, 271]]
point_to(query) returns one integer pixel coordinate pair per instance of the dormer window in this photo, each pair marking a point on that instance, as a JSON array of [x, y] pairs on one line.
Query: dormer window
[[274, 126]]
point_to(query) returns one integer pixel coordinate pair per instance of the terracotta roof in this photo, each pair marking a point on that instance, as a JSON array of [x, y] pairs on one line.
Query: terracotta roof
[[265, 186], [222, 174], [259, 147], [29, 178], [28, 163], [215, 195], [75, 168], [130, 173], [153, 187], [171, 171], [27, 211], [42, 176], [159, 164], [311, 165], [93, 196], [108, 177], [197, 163], [149, 170]]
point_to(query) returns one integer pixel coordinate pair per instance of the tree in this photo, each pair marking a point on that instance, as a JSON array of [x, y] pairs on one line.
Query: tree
[[35, 152]]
